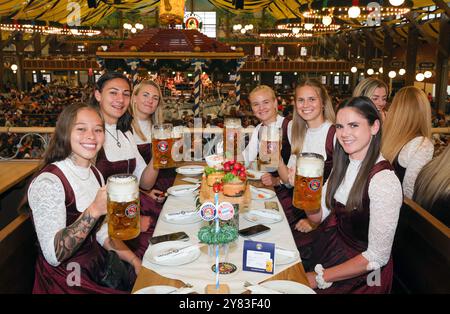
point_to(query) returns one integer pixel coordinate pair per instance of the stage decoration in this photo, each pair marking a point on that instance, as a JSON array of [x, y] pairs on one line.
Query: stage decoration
[[171, 12], [192, 21]]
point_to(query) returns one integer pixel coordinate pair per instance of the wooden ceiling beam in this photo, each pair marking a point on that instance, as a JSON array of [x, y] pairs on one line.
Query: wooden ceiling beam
[[443, 6], [398, 39], [371, 37]]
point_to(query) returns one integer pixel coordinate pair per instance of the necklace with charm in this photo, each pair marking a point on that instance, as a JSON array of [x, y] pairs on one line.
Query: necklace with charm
[[115, 137]]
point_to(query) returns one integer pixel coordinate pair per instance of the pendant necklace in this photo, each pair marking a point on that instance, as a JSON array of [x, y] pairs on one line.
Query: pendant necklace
[[114, 137]]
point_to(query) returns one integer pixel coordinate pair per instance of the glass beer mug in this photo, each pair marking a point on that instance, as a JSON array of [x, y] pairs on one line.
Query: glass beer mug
[[162, 143], [123, 206], [232, 139], [269, 148], [308, 182]]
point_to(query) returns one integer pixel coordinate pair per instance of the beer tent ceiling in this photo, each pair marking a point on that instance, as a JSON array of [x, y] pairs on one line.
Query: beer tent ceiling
[[57, 10]]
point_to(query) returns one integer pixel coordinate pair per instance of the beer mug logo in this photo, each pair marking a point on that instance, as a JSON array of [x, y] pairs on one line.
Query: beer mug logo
[[270, 147], [163, 146], [131, 211], [314, 185], [163, 160]]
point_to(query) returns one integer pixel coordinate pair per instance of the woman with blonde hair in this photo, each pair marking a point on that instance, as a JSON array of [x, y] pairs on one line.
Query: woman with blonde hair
[[407, 135], [146, 109], [376, 90], [432, 188]]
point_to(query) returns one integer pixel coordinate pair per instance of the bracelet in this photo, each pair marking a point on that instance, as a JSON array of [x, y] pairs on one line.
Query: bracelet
[[321, 283]]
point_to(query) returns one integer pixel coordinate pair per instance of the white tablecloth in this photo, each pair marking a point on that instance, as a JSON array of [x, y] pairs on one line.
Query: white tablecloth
[[199, 273]]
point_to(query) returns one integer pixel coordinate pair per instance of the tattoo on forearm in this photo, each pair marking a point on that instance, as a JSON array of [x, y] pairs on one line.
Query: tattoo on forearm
[[69, 239]]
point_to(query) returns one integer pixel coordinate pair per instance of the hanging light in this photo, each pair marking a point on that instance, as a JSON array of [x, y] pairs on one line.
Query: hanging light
[[139, 26], [401, 71], [354, 69], [427, 74], [127, 26], [392, 74], [133, 30], [238, 26], [308, 26], [420, 77], [370, 71], [326, 20], [354, 12], [295, 30], [396, 3], [243, 30], [380, 70], [14, 67]]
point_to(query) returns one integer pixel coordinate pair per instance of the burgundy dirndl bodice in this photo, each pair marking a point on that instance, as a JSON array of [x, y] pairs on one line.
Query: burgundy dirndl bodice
[[399, 170], [344, 236], [90, 256]]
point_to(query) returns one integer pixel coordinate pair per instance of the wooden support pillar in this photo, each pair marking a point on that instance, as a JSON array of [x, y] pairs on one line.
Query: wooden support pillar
[[411, 54], [442, 63], [368, 55], [387, 58]]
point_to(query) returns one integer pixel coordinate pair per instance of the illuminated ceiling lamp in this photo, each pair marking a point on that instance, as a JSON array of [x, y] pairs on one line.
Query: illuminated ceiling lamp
[[370, 71], [327, 20], [420, 77], [14, 68], [392, 74], [396, 3], [308, 26], [354, 10], [427, 74], [354, 69], [171, 12], [401, 72]]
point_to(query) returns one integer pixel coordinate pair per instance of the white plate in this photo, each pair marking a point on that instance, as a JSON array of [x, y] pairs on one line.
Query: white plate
[[281, 259], [160, 248], [257, 174], [289, 287], [262, 196], [190, 171], [156, 290], [191, 219], [253, 217], [182, 189]]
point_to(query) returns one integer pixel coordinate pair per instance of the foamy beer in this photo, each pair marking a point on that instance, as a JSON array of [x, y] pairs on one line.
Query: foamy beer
[[177, 146], [162, 143], [232, 139], [269, 148], [308, 182], [123, 206]]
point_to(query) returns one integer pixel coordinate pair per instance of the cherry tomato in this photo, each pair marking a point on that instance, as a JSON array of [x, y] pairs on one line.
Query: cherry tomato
[[226, 167], [216, 187], [234, 172]]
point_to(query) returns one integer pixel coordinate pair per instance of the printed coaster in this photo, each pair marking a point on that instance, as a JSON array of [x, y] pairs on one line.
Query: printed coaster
[[224, 268]]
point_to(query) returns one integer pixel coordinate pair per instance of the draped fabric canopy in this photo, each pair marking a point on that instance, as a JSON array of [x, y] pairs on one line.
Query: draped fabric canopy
[[58, 10]]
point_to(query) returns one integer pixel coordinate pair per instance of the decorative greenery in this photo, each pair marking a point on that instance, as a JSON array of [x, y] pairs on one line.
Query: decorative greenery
[[226, 234]]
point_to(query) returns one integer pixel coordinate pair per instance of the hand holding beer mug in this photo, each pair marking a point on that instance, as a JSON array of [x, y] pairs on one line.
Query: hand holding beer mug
[[308, 182], [123, 206], [269, 148], [162, 143]]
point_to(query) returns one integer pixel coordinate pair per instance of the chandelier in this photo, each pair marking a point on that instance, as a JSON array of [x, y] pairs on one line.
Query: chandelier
[[307, 25], [359, 9], [48, 30]]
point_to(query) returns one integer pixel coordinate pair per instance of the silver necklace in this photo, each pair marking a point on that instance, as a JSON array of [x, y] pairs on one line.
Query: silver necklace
[[115, 137], [75, 172]]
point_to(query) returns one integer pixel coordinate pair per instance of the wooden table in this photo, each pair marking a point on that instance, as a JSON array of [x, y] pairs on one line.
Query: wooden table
[[148, 277], [13, 172]]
